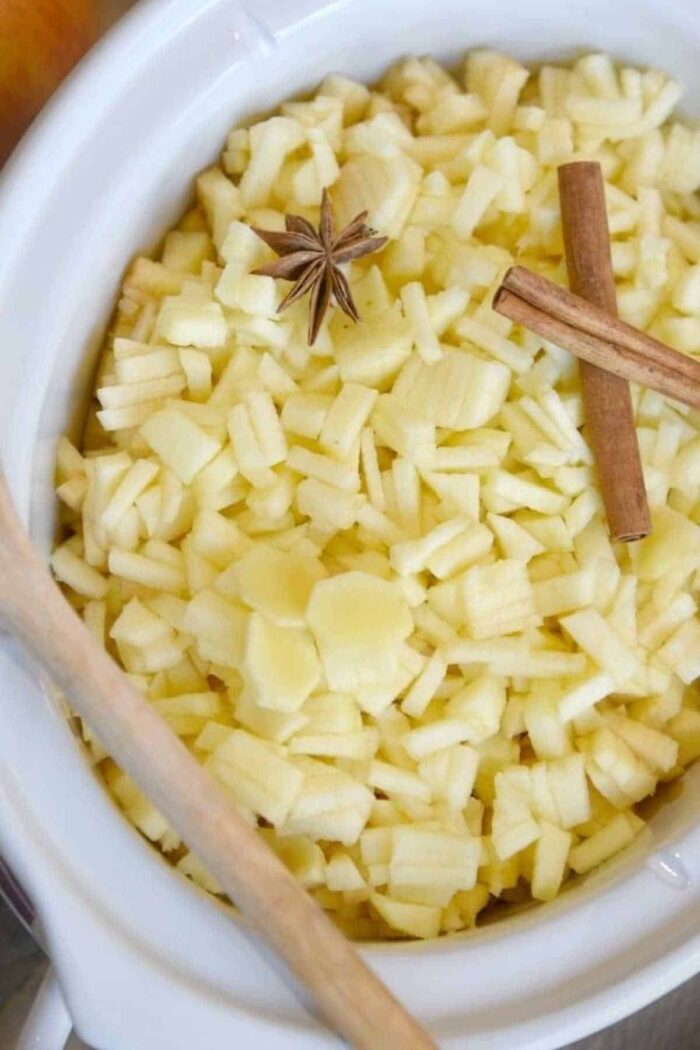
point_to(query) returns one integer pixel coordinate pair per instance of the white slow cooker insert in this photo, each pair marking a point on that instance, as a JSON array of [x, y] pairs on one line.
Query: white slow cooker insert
[[146, 961]]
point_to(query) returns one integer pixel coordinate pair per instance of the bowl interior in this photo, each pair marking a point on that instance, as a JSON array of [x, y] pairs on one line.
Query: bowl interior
[[105, 174]]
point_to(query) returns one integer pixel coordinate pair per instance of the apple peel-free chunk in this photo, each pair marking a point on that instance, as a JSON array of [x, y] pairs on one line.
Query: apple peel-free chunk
[[192, 323], [356, 613], [258, 774], [342, 873], [278, 583], [569, 788], [415, 920], [551, 854], [330, 805], [179, 443], [281, 665], [513, 827], [218, 626], [428, 866], [386, 187], [460, 391], [596, 636], [612, 838], [451, 773], [498, 599]]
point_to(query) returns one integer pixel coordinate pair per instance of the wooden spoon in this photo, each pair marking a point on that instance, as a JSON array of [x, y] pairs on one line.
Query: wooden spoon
[[348, 994]]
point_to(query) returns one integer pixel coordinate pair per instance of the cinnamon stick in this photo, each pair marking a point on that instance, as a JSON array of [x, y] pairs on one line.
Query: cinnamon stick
[[596, 336], [606, 398]]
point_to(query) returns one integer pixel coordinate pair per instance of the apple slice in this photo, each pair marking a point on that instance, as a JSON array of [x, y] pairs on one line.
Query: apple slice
[[277, 583], [280, 665]]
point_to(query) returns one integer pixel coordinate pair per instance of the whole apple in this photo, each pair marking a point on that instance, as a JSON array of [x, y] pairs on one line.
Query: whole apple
[[40, 42]]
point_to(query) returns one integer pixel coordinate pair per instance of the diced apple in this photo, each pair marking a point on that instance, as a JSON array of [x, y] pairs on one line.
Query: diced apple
[[179, 443], [374, 360], [385, 186], [218, 626], [596, 637], [393, 780], [258, 775], [513, 826], [356, 617], [451, 773], [345, 418], [416, 920], [331, 805], [278, 583], [479, 705], [656, 749], [498, 599], [77, 574], [342, 873], [280, 664], [550, 738], [460, 391], [620, 832], [300, 855], [551, 855]]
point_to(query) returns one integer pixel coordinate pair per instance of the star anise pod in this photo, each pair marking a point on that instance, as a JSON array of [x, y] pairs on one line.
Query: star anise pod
[[312, 259]]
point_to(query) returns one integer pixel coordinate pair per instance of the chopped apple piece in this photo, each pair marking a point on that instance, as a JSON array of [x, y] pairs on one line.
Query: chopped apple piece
[[342, 873], [424, 687], [583, 695], [357, 619], [596, 637], [498, 599], [190, 323], [415, 920], [451, 774], [218, 626], [280, 664], [345, 418], [331, 805], [70, 569], [258, 775], [551, 855], [550, 738], [384, 186], [460, 391], [395, 781], [179, 443], [479, 705], [620, 832], [278, 583], [513, 825]]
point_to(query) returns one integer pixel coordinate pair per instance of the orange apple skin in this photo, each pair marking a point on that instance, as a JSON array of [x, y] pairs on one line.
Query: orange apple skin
[[40, 42]]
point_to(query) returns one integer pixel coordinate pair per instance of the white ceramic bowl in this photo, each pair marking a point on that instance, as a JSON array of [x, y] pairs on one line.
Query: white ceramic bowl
[[146, 961]]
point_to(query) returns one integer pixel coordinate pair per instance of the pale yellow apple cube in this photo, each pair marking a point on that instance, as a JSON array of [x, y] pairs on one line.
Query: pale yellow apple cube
[[218, 626], [280, 664], [620, 832], [551, 855], [415, 920], [278, 583], [179, 443], [258, 774]]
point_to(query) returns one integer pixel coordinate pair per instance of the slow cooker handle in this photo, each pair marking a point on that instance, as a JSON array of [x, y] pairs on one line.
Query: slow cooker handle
[[48, 1024]]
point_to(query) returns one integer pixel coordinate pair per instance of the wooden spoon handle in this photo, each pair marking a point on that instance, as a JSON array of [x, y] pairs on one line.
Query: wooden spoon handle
[[348, 994]]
